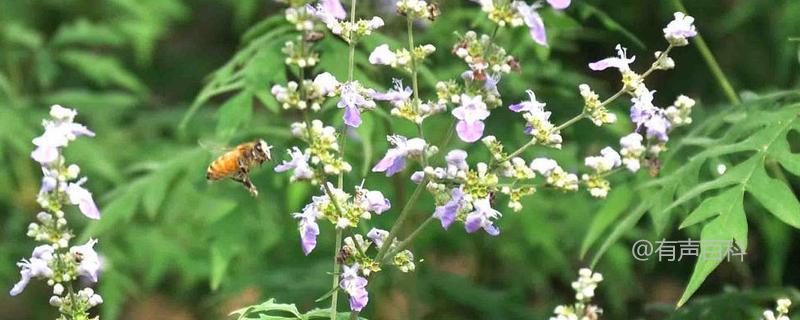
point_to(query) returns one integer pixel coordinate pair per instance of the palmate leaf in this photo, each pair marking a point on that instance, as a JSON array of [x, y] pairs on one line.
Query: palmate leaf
[[759, 137], [753, 139]]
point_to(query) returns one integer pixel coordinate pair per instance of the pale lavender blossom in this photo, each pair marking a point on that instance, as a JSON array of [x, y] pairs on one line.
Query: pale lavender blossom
[[532, 106], [645, 115], [395, 158], [447, 212], [37, 266], [382, 55], [88, 260], [482, 217], [58, 133], [559, 4], [680, 29], [326, 83], [335, 8], [81, 197], [378, 236], [396, 94], [309, 229], [352, 101], [470, 114], [621, 61], [355, 286], [533, 20], [322, 13], [376, 202], [299, 163], [543, 166]]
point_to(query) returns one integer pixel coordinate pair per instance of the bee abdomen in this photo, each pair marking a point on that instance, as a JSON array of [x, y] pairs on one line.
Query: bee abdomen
[[222, 167]]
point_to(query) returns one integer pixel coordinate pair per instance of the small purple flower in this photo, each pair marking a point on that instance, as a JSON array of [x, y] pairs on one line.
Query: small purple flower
[[417, 176], [37, 266], [532, 106], [309, 229], [396, 94], [492, 80], [376, 202], [533, 20], [57, 134], [457, 158], [395, 158], [378, 236], [447, 213], [299, 163], [482, 217], [621, 61], [680, 29], [355, 286], [352, 100], [470, 114], [645, 115], [89, 265], [81, 197], [335, 8]]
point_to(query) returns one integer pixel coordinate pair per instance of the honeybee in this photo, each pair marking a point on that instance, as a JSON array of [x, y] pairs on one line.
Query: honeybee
[[237, 162]]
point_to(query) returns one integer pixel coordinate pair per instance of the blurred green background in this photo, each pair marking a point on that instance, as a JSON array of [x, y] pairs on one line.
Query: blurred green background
[[177, 247]]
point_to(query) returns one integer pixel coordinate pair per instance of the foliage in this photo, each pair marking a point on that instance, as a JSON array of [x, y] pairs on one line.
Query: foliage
[[168, 234]]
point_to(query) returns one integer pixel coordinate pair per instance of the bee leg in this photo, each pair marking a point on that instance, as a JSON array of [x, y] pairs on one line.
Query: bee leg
[[245, 180]]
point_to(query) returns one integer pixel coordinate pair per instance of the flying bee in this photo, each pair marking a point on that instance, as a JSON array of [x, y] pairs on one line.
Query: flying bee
[[237, 162]]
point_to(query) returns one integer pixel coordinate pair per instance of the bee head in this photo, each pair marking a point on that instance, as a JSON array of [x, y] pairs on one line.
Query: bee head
[[264, 149]]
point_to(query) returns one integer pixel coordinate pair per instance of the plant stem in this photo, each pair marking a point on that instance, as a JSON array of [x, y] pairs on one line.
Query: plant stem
[[335, 295], [711, 62], [414, 82], [403, 244], [412, 201], [335, 285]]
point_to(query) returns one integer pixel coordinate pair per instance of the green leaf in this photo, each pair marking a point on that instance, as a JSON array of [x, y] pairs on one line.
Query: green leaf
[[85, 32], [618, 200], [103, 70], [235, 112]]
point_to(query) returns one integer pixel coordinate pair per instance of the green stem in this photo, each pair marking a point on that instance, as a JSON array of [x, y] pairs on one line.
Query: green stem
[[412, 201], [711, 62], [335, 296], [335, 285], [403, 244], [414, 81]]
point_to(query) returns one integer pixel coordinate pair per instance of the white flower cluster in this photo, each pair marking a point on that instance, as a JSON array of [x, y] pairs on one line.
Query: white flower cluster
[[294, 96], [417, 9], [632, 150], [349, 31], [582, 309], [595, 110], [482, 56], [781, 311], [680, 112], [299, 57], [323, 150], [556, 176], [401, 58], [55, 261], [300, 18]]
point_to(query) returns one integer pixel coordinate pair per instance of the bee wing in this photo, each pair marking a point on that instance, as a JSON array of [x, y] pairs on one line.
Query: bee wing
[[215, 147]]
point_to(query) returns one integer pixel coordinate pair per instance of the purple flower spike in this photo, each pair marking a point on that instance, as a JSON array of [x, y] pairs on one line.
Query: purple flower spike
[[335, 8], [447, 213], [470, 114]]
